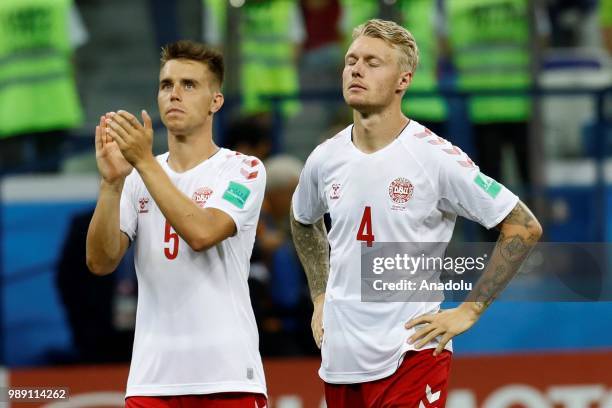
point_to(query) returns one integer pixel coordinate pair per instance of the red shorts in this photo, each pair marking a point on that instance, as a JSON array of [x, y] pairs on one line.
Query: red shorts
[[420, 381], [220, 400]]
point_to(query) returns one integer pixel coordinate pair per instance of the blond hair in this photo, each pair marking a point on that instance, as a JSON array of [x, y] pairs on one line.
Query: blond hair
[[396, 36]]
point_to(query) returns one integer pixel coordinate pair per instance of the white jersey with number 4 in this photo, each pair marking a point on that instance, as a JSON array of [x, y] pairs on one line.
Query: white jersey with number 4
[[409, 191], [195, 328]]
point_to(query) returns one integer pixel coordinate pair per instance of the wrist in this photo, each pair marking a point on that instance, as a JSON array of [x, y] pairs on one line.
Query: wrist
[[145, 164], [115, 186], [473, 308]]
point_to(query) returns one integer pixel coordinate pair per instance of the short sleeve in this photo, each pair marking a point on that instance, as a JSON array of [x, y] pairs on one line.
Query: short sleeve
[[466, 191], [308, 199], [128, 215], [239, 192]]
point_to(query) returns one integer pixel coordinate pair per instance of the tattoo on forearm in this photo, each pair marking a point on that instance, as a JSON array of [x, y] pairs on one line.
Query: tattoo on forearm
[[312, 248], [519, 233]]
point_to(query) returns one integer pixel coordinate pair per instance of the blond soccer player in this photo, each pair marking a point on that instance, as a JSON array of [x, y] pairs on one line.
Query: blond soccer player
[[386, 178]]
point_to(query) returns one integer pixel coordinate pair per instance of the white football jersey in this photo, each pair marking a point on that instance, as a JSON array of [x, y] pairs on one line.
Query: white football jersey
[[409, 191], [195, 328]]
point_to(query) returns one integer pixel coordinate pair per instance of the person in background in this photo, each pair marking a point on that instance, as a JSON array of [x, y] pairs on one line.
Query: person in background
[[39, 101], [421, 17], [249, 135], [284, 328], [89, 301], [605, 21], [270, 34], [490, 48]]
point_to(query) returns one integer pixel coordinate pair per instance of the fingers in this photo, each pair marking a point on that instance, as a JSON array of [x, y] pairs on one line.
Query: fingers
[[106, 138], [445, 339], [433, 334], [99, 139], [120, 124], [128, 120], [317, 335], [419, 320], [115, 135], [422, 332], [146, 119]]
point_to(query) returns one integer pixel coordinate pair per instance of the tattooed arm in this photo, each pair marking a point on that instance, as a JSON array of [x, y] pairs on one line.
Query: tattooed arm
[[519, 232], [313, 250]]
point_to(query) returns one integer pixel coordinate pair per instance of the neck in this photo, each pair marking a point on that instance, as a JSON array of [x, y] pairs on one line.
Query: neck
[[190, 149], [374, 131]]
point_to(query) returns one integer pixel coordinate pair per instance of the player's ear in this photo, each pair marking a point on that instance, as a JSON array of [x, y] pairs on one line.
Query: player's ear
[[217, 102], [404, 81]]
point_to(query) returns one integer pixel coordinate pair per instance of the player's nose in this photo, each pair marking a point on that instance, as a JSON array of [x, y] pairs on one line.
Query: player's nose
[[357, 69], [176, 93]]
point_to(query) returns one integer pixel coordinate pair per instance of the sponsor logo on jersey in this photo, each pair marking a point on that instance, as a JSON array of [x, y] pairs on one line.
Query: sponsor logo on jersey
[[143, 205], [334, 192], [489, 185], [201, 195], [236, 194], [400, 192]]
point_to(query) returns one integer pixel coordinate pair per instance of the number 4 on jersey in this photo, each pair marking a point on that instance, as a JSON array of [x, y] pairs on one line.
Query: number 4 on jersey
[[365, 233]]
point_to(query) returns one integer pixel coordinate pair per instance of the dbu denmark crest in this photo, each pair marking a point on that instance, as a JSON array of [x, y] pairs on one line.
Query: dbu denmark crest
[[400, 192], [201, 196]]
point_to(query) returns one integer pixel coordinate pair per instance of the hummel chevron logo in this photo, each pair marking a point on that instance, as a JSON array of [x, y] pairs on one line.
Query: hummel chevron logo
[[249, 174], [467, 163], [454, 150], [251, 162], [437, 141], [426, 132], [431, 397]]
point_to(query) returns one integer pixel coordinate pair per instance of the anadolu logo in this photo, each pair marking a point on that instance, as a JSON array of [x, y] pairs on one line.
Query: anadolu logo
[[400, 191], [201, 196]]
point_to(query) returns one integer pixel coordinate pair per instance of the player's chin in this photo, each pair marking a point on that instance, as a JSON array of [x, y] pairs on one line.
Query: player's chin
[[359, 104], [175, 126]]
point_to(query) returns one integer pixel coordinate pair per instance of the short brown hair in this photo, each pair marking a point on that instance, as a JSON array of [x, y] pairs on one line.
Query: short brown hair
[[191, 50], [396, 36]]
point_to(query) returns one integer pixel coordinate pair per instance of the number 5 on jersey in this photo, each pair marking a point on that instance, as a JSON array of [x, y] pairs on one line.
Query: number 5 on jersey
[[171, 252], [365, 232]]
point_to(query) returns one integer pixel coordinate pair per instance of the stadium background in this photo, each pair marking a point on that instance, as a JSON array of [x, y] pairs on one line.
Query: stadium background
[[62, 327]]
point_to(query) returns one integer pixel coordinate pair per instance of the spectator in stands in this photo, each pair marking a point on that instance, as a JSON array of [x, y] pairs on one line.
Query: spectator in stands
[[605, 21], [270, 33], [89, 301], [421, 18], [39, 102], [287, 329], [573, 23], [322, 54], [322, 45], [490, 42], [250, 135]]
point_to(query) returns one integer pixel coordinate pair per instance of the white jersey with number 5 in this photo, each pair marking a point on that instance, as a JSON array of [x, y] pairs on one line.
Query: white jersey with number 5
[[195, 328], [409, 191]]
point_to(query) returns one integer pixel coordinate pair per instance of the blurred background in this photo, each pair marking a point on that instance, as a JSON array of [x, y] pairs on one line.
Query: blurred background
[[523, 86]]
